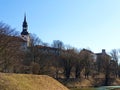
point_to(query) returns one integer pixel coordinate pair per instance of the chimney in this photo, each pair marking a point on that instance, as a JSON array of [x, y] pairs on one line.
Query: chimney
[[103, 51]]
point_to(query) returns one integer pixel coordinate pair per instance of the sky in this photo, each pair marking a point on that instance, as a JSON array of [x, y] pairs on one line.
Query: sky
[[93, 24]]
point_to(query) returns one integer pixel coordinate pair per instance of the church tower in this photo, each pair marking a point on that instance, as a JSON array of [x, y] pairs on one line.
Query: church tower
[[24, 34]]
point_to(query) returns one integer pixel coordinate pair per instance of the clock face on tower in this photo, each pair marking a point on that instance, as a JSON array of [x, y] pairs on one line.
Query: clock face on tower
[[24, 37]]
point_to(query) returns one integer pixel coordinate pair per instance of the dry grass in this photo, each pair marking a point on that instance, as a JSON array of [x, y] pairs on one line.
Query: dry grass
[[29, 82]]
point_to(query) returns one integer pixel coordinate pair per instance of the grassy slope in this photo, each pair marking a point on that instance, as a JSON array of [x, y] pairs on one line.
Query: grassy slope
[[28, 82]]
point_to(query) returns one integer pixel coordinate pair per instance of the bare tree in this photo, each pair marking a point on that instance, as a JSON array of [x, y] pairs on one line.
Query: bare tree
[[32, 54], [5, 33], [119, 70], [58, 46], [87, 59], [114, 55], [106, 68], [114, 62], [9, 48], [79, 65], [67, 61]]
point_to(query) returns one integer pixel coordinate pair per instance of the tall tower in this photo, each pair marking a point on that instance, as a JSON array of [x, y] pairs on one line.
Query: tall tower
[[24, 34]]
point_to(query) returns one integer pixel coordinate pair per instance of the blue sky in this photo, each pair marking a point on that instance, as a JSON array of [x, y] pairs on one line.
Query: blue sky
[[93, 24]]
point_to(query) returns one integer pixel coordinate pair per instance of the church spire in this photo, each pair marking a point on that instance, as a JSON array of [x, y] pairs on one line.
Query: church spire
[[25, 18], [25, 26], [25, 22], [24, 34]]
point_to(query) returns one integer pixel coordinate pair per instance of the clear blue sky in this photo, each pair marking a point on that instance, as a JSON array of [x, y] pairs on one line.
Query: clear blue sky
[[79, 23]]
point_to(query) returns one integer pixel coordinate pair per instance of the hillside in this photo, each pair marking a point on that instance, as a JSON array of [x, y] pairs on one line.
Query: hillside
[[28, 82]]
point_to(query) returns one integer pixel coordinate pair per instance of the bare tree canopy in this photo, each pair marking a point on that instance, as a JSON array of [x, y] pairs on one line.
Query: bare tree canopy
[[114, 55], [58, 44]]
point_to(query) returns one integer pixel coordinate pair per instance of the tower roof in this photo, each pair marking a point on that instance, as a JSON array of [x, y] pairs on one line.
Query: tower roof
[[25, 22], [24, 31]]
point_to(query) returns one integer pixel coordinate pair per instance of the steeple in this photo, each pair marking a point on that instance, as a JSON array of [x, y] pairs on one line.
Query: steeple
[[25, 26], [24, 34]]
